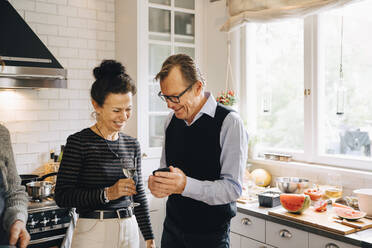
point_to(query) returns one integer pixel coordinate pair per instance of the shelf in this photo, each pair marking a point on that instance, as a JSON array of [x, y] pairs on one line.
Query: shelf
[[184, 36], [167, 7], [166, 35], [160, 34]]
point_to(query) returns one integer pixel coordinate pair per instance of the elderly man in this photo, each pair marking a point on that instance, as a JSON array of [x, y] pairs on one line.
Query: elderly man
[[13, 198], [206, 150]]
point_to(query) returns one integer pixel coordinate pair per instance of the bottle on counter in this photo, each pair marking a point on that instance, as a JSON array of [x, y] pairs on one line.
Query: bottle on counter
[[49, 166], [61, 153]]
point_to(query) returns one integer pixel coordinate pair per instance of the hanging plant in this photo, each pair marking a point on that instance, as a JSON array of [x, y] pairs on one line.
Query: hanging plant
[[227, 98]]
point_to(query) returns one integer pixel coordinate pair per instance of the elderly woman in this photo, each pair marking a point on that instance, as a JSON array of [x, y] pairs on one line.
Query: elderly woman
[[91, 177], [13, 198]]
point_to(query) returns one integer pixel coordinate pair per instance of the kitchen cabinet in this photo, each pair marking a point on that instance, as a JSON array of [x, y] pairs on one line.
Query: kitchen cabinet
[[157, 215], [316, 241], [157, 206], [247, 231], [248, 226], [234, 240], [253, 232], [246, 242], [282, 236], [157, 29]]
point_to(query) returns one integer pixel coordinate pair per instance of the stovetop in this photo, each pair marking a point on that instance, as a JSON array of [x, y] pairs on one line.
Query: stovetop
[[45, 204]]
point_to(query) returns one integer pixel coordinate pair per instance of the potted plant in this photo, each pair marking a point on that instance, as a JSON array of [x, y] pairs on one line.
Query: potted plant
[[226, 98]]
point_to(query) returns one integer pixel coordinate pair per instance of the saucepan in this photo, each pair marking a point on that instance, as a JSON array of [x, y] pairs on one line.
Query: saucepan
[[39, 189], [27, 178]]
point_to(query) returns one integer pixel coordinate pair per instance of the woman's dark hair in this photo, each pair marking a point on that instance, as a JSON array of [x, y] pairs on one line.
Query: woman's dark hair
[[111, 77]]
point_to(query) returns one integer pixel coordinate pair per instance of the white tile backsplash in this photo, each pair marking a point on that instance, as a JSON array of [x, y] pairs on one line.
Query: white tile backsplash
[[67, 10], [79, 33], [23, 4], [46, 8]]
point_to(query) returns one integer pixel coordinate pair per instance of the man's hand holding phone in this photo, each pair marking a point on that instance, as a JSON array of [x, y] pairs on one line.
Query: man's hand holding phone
[[167, 181]]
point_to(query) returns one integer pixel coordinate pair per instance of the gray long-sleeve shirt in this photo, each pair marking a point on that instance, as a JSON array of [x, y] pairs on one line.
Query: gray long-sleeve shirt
[[15, 195]]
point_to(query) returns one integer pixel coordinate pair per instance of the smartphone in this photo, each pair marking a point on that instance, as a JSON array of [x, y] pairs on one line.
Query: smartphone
[[166, 169]]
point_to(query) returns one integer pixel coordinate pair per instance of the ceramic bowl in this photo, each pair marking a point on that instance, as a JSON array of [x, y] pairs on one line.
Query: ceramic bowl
[[364, 200]]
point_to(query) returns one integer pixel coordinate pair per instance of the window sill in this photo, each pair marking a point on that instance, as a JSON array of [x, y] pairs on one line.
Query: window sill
[[320, 168]]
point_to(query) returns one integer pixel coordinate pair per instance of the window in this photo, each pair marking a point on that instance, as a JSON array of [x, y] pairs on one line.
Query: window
[[279, 81], [304, 105]]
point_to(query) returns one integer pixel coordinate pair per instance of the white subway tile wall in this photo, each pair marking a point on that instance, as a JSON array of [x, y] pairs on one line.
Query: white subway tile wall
[[80, 34]]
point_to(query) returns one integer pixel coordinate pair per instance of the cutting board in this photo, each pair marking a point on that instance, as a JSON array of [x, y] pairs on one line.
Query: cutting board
[[324, 220]]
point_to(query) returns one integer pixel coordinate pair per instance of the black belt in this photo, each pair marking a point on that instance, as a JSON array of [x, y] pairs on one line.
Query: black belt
[[108, 214]]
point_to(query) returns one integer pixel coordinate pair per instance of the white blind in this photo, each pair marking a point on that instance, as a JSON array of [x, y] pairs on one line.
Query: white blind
[[242, 11]]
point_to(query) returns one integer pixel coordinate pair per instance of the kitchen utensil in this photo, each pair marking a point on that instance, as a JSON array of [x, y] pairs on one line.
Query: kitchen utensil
[[346, 223], [365, 200], [27, 178], [39, 190], [292, 184], [269, 199]]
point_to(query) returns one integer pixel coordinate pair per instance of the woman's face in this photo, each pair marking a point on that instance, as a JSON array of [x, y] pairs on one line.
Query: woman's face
[[115, 112]]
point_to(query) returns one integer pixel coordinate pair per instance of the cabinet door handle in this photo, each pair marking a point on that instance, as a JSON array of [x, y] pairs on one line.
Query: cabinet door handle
[[285, 234], [144, 155], [331, 245], [246, 221]]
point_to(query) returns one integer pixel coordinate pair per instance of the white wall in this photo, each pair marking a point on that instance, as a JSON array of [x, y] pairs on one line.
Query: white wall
[[79, 33], [126, 49], [215, 46]]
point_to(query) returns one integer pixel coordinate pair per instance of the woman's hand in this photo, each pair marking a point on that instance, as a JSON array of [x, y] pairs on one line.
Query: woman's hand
[[150, 243], [123, 187]]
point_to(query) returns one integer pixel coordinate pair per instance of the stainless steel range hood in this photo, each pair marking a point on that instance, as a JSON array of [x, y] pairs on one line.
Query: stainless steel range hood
[[25, 62]]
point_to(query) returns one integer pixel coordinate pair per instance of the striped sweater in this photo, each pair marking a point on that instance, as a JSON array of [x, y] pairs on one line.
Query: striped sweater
[[88, 166]]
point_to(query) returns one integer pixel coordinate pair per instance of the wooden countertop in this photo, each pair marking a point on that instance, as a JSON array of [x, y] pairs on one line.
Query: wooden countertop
[[361, 238]]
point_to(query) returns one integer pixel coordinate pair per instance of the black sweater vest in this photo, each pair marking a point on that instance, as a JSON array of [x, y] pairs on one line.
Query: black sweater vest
[[196, 151]]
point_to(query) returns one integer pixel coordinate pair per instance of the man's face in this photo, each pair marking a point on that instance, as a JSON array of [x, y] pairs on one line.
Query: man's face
[[173, 85]]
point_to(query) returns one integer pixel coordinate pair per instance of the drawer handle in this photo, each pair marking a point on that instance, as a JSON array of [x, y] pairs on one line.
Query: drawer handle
[[246, 221], [263, 246], [285, 234], [331, 245]]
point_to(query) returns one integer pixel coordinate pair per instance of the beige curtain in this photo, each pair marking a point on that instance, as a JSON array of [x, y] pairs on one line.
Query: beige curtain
[[242, 11]]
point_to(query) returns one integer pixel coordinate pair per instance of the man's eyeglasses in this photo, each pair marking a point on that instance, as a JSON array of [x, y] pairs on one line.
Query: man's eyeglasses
[[174, 99]]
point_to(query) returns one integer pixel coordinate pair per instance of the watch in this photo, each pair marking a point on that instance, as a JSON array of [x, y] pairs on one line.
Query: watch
[[105, 199]]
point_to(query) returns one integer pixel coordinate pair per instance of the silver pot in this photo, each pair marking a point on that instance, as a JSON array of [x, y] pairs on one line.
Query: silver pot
[[39, 190]]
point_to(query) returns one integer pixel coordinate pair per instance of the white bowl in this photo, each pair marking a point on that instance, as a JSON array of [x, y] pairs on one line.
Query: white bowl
[[364, 200]]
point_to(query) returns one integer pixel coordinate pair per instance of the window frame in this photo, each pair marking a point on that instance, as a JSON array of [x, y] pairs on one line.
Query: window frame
[[314, 81]]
